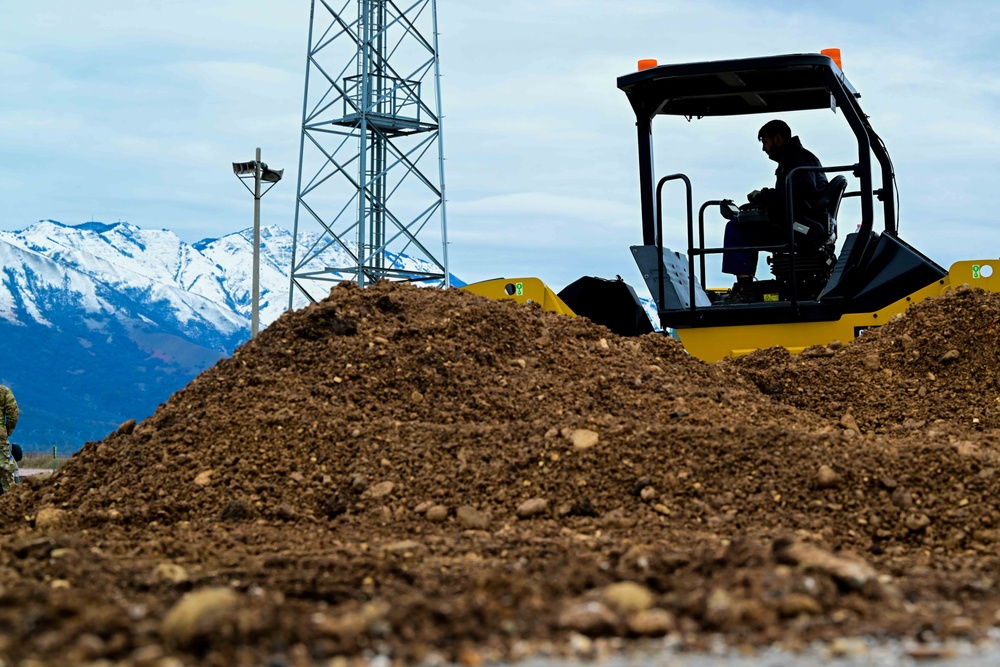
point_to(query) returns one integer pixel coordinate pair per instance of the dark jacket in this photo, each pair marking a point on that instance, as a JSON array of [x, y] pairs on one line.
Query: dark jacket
[[806, 186]]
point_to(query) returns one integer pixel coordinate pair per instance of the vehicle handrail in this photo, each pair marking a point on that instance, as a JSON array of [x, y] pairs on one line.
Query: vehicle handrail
[[701, 235], [659, 231]]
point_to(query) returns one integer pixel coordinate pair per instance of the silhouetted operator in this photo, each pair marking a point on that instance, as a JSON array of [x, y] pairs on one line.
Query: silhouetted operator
[[777, 141]]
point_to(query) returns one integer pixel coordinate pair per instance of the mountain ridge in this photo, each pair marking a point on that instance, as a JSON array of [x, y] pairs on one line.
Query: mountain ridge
[[104, 321]]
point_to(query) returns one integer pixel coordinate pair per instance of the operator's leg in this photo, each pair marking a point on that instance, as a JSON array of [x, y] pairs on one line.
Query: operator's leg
[[743, 262]]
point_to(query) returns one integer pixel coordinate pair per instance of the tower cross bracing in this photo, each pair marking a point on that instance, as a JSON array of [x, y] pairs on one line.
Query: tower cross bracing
[[370, 199]]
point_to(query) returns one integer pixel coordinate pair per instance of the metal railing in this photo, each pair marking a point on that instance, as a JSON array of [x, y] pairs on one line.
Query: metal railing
[[701, 251]]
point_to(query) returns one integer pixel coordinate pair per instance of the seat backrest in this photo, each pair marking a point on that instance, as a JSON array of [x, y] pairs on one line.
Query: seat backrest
[[829, 200]]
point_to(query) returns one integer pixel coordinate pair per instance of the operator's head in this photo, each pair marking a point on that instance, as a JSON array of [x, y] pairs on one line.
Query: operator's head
[[773, 137]]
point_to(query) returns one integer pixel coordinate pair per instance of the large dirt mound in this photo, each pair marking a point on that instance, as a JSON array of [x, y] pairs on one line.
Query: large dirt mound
[[409, 472]]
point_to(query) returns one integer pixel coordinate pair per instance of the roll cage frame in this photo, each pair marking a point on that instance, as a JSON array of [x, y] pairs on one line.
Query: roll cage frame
[[772, 85]]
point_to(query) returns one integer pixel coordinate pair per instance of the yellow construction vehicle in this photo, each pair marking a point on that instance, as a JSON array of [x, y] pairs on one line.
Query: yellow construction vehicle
[[816, 295]]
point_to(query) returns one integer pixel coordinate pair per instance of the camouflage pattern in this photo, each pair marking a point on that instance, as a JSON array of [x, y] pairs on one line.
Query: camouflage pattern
[[8, 409]]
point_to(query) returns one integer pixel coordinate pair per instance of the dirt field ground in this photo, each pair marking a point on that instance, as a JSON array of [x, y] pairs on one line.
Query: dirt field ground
[[431, 476]]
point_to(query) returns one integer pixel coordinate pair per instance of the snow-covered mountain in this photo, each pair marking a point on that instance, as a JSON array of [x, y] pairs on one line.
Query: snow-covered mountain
[[102, 322]]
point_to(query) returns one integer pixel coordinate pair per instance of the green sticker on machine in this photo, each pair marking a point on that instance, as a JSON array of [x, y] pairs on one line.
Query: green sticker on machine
[[520, 286], [975, 271]]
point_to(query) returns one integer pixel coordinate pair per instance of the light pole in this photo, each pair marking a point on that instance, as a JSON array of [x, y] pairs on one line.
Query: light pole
[[258, 171]]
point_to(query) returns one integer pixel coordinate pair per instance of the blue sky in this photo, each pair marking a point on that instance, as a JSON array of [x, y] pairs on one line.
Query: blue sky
[[134, 109]]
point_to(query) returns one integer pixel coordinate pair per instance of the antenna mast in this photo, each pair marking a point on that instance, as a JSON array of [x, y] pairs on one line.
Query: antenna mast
[[370, 203]]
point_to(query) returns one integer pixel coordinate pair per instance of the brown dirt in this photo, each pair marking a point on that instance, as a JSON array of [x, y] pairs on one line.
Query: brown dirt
[[416, 473]]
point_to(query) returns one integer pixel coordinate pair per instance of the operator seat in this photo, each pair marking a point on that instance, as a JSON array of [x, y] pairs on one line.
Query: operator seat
[[815, 245]]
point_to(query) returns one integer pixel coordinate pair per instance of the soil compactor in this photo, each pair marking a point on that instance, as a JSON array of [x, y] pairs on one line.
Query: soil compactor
[[815, 295]]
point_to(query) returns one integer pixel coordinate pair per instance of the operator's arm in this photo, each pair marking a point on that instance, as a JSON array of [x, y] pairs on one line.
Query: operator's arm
[[807, 185]]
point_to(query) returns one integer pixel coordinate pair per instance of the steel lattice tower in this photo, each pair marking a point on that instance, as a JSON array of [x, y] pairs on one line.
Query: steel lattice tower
[[370, 198]]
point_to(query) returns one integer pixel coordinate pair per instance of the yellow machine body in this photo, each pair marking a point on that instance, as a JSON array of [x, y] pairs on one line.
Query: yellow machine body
[[715, 343], [521, 290], [712, 343]]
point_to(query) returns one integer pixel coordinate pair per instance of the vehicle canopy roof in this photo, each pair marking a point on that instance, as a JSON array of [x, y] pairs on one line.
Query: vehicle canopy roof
[[767, 84]]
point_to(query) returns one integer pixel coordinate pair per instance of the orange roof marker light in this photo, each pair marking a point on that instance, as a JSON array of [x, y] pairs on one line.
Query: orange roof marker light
[[834, 55], [646, 63]]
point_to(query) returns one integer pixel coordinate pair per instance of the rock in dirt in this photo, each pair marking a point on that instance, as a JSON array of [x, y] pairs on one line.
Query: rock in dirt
[[651, 622], [532, 508], [828, 478], [470, 517], [200, 614], [583, 439], [437, 514], [849, 571], [170, 572], [589, 618], [626, 597], [49, 518]]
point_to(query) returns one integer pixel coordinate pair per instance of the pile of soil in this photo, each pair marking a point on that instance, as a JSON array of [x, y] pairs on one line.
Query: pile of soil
[[429, 475]]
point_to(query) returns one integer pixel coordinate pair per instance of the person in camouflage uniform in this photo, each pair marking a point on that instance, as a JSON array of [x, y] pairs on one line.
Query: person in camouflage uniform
[[8, 409]]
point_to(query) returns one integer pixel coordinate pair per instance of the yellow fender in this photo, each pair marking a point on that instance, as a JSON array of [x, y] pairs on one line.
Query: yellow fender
[[521, 290]]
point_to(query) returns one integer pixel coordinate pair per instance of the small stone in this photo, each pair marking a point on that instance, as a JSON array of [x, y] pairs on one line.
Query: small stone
[[835, 344], [589, 618], [848, 647], [126, 427], [470, 657], [847, 421], [581, 646], [532, 507], [49, 517], [901, 498], [470, 517], [916, 521], [924, 652], [200, 614], [402, 546], [950, 356], [204, 477], [872, 362], [603, 344], [797, 604], [654, 622], [423, 507], [416, 397], [626, 597], [437, 514], [959, 626], [827, 478], [380, 490], [719, 608], [583, 439], [850, 571], [648, 493], [171, 573]]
